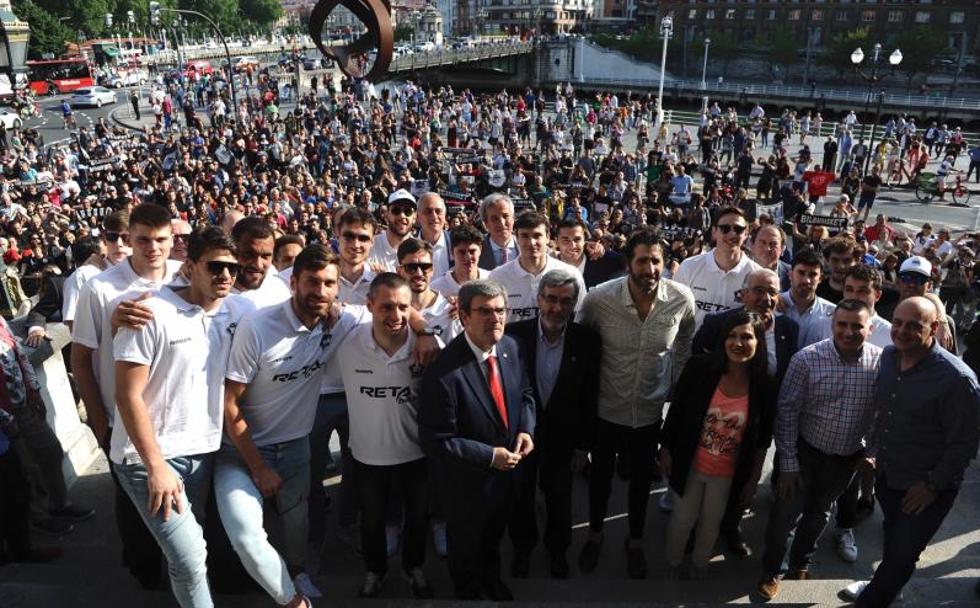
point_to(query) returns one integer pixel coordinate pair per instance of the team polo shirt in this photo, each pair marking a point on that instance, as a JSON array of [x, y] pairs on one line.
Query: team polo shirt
[[714, 289], [352, 316], [73, 289], [93, 319], [383, 253], [356, 292], [447, 285], [271, 292], [281, 361], [437, 318], [186, 349], [522, 287], [382, 399]]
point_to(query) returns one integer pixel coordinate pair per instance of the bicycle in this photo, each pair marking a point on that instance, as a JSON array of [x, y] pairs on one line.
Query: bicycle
[[927, 188]]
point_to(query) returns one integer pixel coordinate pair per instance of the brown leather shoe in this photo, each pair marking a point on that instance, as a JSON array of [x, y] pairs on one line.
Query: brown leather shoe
[[768, 587], [797, 575]]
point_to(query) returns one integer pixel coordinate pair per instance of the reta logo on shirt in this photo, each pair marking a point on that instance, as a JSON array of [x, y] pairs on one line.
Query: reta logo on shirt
[[530, 312], [401, 394], [304, 372]]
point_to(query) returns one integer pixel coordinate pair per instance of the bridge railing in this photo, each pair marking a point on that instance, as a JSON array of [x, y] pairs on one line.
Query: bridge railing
[[421, 61]]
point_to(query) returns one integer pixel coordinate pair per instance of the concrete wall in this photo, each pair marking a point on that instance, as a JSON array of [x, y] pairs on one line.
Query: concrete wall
[[580, 60]]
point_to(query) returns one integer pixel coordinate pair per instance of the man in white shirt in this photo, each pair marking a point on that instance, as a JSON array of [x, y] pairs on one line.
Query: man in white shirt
[[432, 230], [521, 277], [105, 303], [400, 218], [499, 247], [256, 244], [716, 277], [285, 251], [416, 267], [382, 384], [114, 248], [355, 229], [467, 243]]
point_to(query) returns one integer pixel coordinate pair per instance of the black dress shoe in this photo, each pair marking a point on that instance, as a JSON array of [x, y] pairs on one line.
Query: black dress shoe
[[559, 565], [497, 591], [977, 589], [636, 561], [737, 545], [521, 566], [588, 559]]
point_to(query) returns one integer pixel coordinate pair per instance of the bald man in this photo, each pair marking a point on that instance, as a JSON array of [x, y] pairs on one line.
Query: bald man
[[926, 433], [231, 218]]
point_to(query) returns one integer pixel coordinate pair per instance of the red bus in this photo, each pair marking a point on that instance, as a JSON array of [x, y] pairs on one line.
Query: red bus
[[59, 76]]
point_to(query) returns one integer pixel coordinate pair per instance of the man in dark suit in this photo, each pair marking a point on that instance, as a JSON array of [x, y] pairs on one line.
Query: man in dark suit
[[47, 309], [759, 294], [500, 246], [477, 417], [562, 360]]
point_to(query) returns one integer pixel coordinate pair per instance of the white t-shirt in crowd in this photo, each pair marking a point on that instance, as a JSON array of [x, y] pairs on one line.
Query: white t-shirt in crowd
[[382, 399], [522, 287], [446, 283], [383, 253], [271, 292], [437, 317], [281, 361], [186, 350], [286, 275], [93, 319], [73, 288], [356, 292], [714, 289], [441, 253]]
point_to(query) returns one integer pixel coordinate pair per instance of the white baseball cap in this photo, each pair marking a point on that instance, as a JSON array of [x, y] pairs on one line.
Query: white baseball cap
[[917, 264], [402, 196]]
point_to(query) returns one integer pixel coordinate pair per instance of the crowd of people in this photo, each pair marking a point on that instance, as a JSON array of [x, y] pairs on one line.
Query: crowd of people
[[484, 296]]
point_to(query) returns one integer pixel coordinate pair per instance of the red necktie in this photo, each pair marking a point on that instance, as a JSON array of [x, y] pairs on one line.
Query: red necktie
[[496, 389]]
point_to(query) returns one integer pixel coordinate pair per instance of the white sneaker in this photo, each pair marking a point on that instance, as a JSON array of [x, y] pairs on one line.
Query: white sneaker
[[855, 589], [666, 502], [439, 538], [846, 547], [305, 586], [393, 535]]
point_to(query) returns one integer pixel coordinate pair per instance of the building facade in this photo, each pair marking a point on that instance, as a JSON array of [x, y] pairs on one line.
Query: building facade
[[518, 17]]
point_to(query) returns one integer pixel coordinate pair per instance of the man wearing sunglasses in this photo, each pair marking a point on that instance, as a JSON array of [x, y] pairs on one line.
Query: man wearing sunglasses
[[163, 449], [415, 266], [182, 234], [716, 277], [356, 229], [400, 219], [113, 248], [106, 302]]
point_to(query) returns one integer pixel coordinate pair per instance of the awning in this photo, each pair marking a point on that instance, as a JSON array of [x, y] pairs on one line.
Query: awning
[[111, 51]]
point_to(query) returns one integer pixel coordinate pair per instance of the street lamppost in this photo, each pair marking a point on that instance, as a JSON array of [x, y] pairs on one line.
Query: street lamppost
[[666, 29], [857, 57], [704, 76]]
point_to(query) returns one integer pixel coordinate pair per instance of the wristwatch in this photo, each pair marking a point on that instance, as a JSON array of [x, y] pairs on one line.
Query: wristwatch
[[430, 331]]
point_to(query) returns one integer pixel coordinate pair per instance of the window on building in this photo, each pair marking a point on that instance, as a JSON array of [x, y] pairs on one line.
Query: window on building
[[895, 16], [729, 14], [750, 13], [772, 14], [843, 15], [867, 16], [709, 14], [692, 14], [747, 34], [957, 17], [817, 15], [923, 16], [794, 15]]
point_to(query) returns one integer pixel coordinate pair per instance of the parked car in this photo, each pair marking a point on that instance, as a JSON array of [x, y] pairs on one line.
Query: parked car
[[92, 96], [197, 66], [10, 118], [127, 79], [244, 62]]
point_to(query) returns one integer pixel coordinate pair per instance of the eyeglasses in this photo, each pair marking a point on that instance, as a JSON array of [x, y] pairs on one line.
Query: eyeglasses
[[726, 228], [402, 210], [913, 277], [113, 237], [486, 311], [352, 236], [413, 267], [218, 268], [183, 238]]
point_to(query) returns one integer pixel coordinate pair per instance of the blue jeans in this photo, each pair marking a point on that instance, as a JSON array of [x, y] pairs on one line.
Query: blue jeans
[[181, 538], [331, 415], [906, 537], [240, 507]]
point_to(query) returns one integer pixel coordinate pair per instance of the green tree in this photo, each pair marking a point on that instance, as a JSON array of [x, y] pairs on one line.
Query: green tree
[[919, 46], [783, 51], [261, 12], [404, 32], [88, 16], [224, 12], [48, 34], [838, 51]]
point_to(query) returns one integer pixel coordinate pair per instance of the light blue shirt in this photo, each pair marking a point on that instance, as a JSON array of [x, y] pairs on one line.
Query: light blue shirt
[[547, 363], [814, 321]]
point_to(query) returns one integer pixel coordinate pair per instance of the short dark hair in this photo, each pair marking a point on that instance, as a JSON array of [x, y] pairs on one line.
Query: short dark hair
[[150, 215], [529, 220], [759, 365], [117, 221], [854, 306], [252, 227], [728, 211], [412, 245], [863, 272], [314, 257], [574, 222], [386, 279], [808, 257], [644, 236], [465, 234], [287, 239], [356, 215], [84, 248], [208, 239], [838, 245]]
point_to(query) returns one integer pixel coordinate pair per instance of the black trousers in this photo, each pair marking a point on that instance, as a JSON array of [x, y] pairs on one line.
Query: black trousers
[[140, 552], [15, 504], [553, 474], [377, 486], [640, 446], [477, 519]]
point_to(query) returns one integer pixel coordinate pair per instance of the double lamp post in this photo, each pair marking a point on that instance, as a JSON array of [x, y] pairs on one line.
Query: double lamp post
[[857, 58]]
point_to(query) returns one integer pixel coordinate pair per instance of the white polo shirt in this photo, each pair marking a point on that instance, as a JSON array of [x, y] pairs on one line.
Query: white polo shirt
[[186, 350], [441, 253], [714, 289], [446, 283], [356, 292], [73, 288], [271, 292], [437, 317], [382, 399], [383, 253], [352, 316], [522, 287], [281, 361], [93, 319]]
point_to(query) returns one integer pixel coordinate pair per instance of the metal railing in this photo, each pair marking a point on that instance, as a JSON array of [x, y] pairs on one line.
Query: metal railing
[[421, 61]]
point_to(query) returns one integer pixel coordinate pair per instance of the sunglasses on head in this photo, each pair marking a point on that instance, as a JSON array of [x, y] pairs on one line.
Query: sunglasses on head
[[217, 268], [113, 237], [360, 238], [413, 267], [913, 277], [726, 228]]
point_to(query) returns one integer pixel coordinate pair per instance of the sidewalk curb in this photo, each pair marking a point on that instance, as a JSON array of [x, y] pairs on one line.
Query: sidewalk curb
[[113, 115]]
